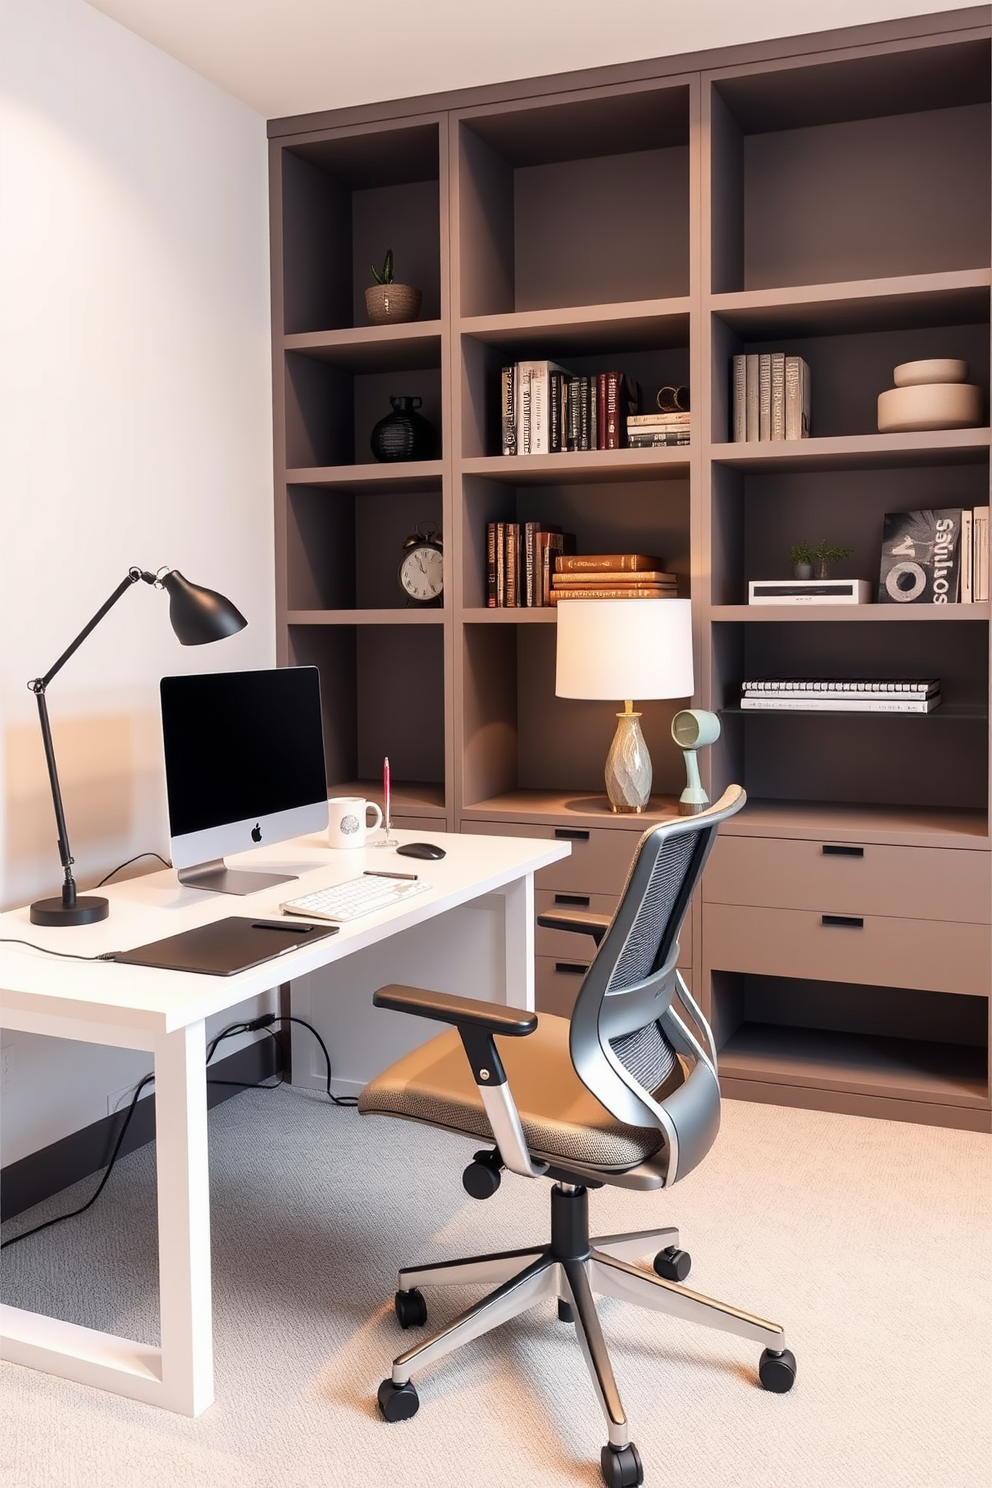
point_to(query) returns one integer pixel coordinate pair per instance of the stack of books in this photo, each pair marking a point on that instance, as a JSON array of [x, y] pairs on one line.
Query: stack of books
[[656, 430], [771, 397], [831, 695], [520, 562], [611, 576], [935, 556], [545, 409]]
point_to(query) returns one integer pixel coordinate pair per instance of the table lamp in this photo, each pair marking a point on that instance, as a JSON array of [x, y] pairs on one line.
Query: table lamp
[[197, 615], [625, 648]]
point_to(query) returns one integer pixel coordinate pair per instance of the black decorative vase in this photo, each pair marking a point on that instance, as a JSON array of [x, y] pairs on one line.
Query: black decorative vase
[[404, 434]]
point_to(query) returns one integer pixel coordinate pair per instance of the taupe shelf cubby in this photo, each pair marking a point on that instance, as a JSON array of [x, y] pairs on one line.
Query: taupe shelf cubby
[[827, 196]]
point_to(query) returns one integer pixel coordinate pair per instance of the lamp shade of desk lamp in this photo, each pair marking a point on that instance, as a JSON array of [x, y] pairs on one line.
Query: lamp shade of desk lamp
[[622, 649], [197, 616]]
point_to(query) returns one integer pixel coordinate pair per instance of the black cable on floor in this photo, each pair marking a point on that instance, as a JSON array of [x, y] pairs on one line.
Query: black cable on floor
[[254, 1025]]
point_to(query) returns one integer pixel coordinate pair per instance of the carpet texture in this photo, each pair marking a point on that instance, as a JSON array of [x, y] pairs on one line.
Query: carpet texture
[[867, 1240]]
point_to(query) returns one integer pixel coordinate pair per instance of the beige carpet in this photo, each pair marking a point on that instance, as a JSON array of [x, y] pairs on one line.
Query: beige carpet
[[868, 1241]]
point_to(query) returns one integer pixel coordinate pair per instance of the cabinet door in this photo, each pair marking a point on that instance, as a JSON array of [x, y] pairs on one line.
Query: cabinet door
[[874, 879]]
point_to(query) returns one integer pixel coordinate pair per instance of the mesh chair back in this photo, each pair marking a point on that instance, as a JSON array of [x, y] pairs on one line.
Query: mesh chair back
[[630, 1042]]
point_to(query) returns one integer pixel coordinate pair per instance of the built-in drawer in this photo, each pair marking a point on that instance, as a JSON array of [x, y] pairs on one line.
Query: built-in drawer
[[845, 878], [569, 943], [599, 862], [557, 980], [873, 950]]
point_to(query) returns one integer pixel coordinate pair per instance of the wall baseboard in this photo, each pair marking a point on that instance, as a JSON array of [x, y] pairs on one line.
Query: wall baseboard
[[41, 1174]]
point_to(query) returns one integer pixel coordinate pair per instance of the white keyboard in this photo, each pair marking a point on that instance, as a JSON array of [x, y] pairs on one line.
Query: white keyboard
[[358, 896]]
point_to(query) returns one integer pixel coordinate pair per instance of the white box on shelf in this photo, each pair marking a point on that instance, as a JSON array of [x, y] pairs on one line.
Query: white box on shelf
[[809, 591]]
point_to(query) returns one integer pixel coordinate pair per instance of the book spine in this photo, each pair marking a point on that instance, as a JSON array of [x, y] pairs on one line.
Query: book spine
[[841, 705], [796, 427], [777, 395], [658, 438], [631, 591], [967, 557], [610, 576], [551, 556], [600, 384], [980, 544], [500, 564], [523, 408], [612, 425], [508, 409], [585, 414], [606, 562], [751, 420], [539, 443], [556, 383], [491, 598], [658, 420], [572, 418], [765, 395], [738, 432], [512, 565], [805, 397], [530, 545]]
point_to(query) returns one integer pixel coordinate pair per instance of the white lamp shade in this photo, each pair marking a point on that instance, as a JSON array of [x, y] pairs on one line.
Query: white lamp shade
[[624, 648]]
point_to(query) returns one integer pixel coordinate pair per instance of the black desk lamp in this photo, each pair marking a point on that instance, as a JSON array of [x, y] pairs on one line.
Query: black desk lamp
[[197, 616]]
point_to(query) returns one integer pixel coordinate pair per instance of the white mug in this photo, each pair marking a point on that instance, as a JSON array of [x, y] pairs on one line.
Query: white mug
[[347, 821]]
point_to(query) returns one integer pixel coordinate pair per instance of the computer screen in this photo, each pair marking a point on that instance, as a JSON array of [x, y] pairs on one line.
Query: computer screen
[[244, 767]]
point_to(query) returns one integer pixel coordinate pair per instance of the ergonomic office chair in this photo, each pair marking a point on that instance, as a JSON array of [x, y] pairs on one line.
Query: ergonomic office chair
[[623, 1093]]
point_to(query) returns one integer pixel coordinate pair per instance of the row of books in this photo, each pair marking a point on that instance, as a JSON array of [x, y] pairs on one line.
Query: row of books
[[771, 397], [545, 409], [935, 556], [520, 559], [531, 565], [834, 695]]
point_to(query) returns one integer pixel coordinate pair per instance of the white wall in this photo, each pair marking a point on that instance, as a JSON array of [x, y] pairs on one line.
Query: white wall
[[134, 429]]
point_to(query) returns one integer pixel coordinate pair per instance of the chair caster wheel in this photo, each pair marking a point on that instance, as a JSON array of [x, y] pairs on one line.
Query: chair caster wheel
[[672, 1264], [397, 1402], [411, 1309], [777, 1372], [621, 1466], [565, 1313], [481, 1178]]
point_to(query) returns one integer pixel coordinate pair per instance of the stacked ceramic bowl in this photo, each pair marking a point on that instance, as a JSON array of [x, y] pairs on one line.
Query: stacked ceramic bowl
[[929, 395]]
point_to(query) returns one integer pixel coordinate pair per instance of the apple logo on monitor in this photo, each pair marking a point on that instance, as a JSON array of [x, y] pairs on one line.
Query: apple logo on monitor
[[256, 833]]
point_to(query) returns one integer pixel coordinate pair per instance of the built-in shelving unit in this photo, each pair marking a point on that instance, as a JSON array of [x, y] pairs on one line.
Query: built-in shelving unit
[[828, 196]]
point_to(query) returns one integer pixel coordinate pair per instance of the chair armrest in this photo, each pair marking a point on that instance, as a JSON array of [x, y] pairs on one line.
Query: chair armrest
[[463, 1012], [575, 919]]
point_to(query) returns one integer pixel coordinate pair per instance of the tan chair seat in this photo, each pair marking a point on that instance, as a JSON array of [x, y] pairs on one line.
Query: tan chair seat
[[562, 1121]]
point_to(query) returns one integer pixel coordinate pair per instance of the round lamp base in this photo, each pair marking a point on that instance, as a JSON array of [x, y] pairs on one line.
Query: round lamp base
[[85, 911]]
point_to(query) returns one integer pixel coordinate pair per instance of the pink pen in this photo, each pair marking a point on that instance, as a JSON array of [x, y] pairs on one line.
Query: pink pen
[[385, 793]]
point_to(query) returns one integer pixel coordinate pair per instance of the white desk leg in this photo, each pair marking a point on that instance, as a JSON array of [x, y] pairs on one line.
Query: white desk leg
[[518, 930], [184, 1221]]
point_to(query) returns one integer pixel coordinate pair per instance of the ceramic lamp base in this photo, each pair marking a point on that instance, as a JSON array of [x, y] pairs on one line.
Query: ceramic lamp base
[[628, 766]]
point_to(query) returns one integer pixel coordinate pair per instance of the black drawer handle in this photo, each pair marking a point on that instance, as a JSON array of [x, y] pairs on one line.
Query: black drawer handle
[[835, 850], [571, 968], [852, 922], [577, 901], [573, 834]]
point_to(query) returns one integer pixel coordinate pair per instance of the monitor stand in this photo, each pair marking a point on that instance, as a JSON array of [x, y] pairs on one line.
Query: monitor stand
[[219, 879]]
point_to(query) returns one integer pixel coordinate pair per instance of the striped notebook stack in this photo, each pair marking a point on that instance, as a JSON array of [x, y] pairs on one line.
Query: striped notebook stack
[[611, 576], [830, 695]]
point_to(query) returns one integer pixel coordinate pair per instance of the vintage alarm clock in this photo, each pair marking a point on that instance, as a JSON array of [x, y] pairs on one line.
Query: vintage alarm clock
[[421, 570]]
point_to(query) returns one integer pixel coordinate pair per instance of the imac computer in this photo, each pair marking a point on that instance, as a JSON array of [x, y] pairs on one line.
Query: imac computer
[[244, 767]]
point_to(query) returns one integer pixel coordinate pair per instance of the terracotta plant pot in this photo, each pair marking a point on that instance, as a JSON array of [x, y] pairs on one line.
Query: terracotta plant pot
[[391, 304]]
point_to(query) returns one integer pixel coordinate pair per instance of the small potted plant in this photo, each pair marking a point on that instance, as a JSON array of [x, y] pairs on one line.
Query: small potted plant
[[801, 558], [388, 303], [824, 554]]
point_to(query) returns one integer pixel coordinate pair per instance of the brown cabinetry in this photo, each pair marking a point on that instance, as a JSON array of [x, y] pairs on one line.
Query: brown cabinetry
[[659, 218]]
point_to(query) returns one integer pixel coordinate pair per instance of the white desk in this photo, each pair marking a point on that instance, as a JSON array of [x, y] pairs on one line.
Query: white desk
[[163, 1012]]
